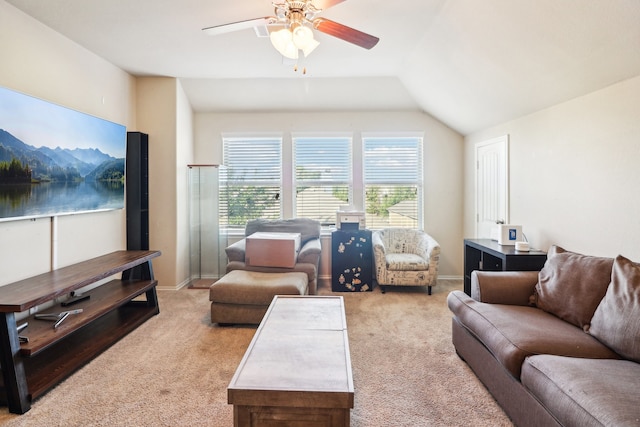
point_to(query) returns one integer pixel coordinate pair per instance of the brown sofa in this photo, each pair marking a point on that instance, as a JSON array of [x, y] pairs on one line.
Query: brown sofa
[[558, 347], [308, 258]]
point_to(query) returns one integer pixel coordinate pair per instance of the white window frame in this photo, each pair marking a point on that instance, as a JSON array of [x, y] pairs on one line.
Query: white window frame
[[358, 180], [342, 168], [259, 179], [417, 180]]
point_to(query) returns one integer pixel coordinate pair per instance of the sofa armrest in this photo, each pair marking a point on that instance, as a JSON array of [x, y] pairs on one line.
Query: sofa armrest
[[236, 251], [503, 287], [310, 252]]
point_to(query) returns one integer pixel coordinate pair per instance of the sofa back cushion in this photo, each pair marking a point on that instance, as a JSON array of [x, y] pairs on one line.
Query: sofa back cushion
[[571, 285], [308, 228], [616, 322]]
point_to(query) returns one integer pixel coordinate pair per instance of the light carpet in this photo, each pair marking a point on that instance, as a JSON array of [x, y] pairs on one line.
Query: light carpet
[[174, 369]]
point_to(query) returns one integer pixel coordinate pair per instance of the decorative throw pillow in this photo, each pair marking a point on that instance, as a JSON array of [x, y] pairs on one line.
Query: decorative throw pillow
[[616, 322], [571, 285]]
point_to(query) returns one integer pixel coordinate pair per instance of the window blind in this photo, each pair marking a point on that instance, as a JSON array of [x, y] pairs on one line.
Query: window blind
[[251, 182], [393, 181], [322, 176]]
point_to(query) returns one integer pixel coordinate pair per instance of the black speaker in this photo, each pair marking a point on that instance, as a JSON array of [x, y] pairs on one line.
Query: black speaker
[[137, 188]]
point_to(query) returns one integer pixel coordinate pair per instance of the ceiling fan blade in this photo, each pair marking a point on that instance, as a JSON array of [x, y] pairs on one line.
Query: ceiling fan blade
[[326, 4], [240, 25], [345, 33]]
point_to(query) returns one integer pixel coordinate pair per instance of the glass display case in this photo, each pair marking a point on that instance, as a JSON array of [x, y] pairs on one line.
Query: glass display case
[[207, 257]]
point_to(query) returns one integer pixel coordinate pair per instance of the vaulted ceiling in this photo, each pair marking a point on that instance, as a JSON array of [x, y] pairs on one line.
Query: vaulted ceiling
[[469, 63]]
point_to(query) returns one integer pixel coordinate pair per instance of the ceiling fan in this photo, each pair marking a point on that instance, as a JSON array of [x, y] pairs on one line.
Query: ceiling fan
[[290, 30]]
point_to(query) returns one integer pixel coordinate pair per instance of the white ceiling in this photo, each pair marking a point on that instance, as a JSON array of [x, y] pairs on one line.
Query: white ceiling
[[469, 63]]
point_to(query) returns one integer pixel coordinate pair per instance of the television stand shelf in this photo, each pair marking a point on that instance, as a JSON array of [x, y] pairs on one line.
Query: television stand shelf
[[114, 309]]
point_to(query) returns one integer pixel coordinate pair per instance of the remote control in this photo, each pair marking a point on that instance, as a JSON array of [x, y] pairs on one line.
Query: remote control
[[74, 299]]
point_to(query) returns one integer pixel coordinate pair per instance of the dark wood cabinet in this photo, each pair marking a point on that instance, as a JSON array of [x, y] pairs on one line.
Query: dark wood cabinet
[[488, 255], [351, 261]]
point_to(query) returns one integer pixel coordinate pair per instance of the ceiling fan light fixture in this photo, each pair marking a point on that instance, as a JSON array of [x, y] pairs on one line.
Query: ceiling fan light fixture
[[291, 51], [282, 40], [302, 35], [288, 41], [310, 47]]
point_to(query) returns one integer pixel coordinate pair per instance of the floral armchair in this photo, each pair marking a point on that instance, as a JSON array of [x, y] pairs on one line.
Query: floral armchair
[[405, 257]]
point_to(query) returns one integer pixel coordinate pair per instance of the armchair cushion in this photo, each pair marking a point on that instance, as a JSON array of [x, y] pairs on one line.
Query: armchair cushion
[[406, 262]]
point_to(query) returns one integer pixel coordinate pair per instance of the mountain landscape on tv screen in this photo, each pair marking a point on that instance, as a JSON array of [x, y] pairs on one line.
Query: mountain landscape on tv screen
[[45, 181], [57, 164]]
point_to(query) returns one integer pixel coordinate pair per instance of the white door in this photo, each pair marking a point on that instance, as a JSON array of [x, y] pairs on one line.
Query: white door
[[492, 178]]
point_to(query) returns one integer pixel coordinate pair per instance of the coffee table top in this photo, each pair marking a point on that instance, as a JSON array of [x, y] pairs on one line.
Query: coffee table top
[[299, 356]]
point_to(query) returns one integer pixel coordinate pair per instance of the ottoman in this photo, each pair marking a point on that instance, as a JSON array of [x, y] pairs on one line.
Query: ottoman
[[242, 296]]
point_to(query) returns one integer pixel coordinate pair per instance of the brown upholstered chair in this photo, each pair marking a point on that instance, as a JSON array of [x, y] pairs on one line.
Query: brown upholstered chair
[[308, 258]]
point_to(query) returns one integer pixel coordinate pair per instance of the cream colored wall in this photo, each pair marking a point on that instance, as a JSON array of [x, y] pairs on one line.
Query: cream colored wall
[[574, 173], [165, 115], [443, 184], [40, 62], [184, 156], [157, 103]]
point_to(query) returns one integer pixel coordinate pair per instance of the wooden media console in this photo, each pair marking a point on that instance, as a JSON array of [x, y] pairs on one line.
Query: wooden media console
[[113, 309]]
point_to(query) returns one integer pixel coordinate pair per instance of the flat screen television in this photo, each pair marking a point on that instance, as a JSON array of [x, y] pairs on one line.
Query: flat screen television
[[56, 161]]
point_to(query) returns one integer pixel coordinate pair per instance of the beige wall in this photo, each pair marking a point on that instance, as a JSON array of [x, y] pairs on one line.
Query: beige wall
[[443, 184], [41, 63], [165, 115], [574, 173], [184, 156], [573, 166]]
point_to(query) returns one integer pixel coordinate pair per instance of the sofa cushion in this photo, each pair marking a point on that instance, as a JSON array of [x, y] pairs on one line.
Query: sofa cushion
[[571, 285], [616, 321], [511, 333], [585, 392]]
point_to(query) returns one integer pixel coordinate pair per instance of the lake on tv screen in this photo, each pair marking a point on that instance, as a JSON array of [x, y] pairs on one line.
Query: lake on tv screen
[[54, 160]]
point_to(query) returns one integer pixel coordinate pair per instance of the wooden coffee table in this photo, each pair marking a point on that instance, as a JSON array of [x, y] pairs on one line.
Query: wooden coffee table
[[297, 369]]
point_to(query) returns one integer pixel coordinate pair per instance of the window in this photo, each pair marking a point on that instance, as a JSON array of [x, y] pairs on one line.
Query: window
[[313, 175], [393, 181], [322, 176], [251, 185]]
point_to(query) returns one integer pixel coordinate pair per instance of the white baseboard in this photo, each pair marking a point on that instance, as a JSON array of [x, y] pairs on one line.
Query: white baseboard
[[177, 287], [450, 277]]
